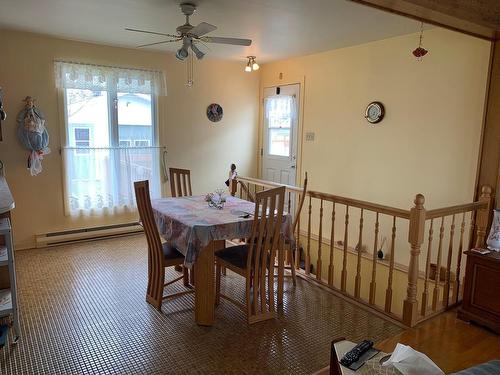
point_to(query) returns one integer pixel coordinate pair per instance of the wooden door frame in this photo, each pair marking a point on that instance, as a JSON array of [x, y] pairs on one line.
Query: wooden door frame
[[300, 120]]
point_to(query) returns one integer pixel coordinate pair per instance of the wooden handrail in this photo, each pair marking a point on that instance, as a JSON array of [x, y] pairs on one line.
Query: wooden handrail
[[452, 210], [392, 211], [269, 184]]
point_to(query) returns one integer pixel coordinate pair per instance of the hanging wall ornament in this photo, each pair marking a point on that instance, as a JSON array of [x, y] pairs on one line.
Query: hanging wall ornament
[[33, 134], [3, 114], [420, 51]]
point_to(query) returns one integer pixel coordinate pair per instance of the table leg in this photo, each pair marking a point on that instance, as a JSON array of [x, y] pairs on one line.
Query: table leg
[[205, 286]]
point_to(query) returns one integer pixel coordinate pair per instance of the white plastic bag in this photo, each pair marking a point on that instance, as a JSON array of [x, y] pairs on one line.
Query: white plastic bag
[[410, 362]]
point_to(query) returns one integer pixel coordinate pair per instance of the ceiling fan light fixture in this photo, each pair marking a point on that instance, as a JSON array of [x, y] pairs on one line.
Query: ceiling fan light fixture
[[197, 52], [182, 54]]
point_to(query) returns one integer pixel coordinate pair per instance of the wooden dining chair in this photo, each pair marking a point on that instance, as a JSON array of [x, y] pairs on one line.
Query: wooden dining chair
[[180, 182], [288, 246], [160, 255], [252, 260]]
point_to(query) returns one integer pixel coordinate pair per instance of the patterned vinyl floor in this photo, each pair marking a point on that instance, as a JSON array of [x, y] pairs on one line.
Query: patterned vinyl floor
[[83, 311]]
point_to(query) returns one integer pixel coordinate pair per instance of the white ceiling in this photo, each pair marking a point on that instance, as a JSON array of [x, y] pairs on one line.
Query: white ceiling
[[278, 28]]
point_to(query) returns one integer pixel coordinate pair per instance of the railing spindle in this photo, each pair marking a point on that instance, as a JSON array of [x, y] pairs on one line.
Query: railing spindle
[[459, 259], [319, 264], [388, 292], [357, 281], [332, 247], [425, 293], [435, 295], [446, 295], [343, 280], [373, 284], [308, 254], [297, 247]]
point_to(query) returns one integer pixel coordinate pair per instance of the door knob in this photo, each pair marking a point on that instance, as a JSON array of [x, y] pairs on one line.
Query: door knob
[[293, 167]]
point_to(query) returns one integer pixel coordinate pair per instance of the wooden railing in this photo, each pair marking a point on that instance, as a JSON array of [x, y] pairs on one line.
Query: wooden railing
[[397, 286]]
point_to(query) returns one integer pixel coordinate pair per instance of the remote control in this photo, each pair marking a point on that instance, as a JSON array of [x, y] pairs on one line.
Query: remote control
[[352, 356]]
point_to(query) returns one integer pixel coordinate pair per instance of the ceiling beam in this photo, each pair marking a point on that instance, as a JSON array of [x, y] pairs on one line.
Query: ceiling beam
[[479, 18]]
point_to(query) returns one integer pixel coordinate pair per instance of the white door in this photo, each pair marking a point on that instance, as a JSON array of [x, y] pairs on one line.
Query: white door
[[279, 151]]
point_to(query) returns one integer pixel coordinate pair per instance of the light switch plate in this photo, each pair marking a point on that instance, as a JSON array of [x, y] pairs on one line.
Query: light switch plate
[[310, 136]]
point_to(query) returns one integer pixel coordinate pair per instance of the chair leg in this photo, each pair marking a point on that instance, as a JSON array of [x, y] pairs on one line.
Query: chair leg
[[292, 267], [217, 282], [281, 274], [185, 279], [224, 270]]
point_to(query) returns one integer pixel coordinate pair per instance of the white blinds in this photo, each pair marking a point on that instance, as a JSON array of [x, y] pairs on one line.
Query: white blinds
[[70, 75]]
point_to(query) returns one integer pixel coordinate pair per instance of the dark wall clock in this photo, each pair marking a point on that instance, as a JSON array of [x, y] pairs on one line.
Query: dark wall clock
[[375, 112], [215, 112]]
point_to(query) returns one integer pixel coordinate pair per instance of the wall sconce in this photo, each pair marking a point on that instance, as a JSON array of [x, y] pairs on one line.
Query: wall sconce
[[251, 64]]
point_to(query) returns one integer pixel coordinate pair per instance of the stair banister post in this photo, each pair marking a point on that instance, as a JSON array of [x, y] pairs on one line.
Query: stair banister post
[[483, 216], [415, 238], [233, 185]]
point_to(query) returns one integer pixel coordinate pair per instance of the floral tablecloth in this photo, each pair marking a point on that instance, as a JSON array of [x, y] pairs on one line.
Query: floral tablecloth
[[189, 224]]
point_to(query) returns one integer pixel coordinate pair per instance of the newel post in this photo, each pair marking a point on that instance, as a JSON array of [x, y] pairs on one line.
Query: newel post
[[483, 216], [233, 185], [415, 238]]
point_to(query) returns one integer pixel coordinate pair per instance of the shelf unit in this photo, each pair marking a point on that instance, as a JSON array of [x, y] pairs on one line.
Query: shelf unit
[[8, 296]]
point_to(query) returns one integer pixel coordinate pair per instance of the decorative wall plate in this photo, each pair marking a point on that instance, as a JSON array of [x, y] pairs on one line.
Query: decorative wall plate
[[215, 112], [375, 112]]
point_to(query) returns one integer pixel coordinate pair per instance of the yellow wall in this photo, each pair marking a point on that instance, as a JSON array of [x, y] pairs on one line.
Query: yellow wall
[[26, 68], [429, 140]]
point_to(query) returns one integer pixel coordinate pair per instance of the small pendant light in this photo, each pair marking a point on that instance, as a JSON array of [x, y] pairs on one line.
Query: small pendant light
[[420, 51]]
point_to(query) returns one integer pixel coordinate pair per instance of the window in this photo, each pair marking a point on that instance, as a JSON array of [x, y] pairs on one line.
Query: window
[[279, 112], [82, 140], [111, 135], [141, 143]]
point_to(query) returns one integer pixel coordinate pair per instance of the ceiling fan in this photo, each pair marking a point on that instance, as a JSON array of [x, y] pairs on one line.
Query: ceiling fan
[[191, 35]]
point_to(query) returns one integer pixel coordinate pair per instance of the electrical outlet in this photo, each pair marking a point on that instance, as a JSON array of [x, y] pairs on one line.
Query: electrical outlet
[[310, 136]]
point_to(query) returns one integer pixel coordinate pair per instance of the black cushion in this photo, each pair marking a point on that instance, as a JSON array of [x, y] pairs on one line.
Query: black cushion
[[170, 252], [236, 255]]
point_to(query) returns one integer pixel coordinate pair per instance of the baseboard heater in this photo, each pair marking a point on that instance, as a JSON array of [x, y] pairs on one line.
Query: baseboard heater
[[86, 234]]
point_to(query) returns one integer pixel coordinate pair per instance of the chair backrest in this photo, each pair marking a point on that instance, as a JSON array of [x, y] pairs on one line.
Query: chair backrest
[[180, 182], [155, 252], [265, 240], [300, 204]]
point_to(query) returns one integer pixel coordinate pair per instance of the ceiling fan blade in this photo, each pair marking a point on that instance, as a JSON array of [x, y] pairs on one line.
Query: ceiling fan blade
[[202, 29], [153, 44], [234, 41], [151, 32]]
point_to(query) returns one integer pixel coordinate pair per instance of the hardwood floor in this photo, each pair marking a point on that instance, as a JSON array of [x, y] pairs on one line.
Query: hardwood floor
[[451, 343]]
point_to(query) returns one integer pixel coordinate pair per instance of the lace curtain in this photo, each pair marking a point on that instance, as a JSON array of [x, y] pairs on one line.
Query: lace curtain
[[71, 75], [279, 107], [101, 180]]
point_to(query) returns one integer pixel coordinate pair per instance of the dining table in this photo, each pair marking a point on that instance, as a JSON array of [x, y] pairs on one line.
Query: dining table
[[197, 230]]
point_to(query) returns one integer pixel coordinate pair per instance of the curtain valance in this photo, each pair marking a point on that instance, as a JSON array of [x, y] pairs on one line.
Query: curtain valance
[[71, 75]]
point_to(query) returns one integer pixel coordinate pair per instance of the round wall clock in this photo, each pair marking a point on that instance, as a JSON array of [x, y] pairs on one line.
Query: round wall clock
[[214, 112], [374, 112]]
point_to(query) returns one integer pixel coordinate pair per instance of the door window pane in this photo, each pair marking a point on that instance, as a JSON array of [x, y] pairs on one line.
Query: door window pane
[[279, 142]]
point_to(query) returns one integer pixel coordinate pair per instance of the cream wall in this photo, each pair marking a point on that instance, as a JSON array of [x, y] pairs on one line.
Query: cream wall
[[429, 140], [26, 68]]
